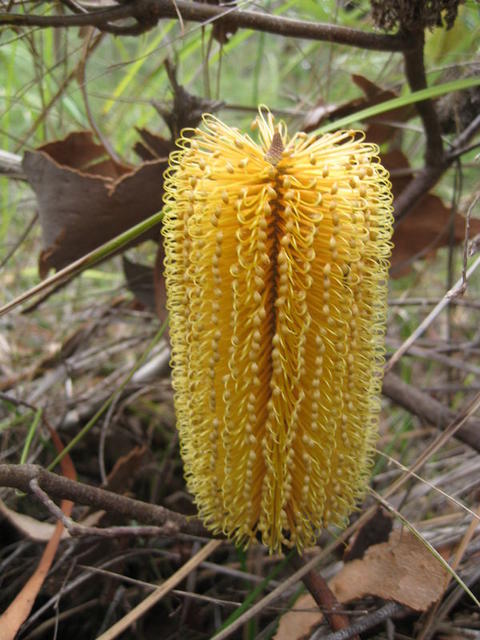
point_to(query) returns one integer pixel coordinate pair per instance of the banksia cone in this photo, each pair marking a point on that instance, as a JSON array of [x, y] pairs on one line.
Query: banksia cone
[[276, 268]]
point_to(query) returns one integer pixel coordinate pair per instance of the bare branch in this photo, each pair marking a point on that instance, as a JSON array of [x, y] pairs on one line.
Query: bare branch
[[75, 529], [98, 18], [11, 165], [148, 12], [426, 407], [417, 80], [20, 477]]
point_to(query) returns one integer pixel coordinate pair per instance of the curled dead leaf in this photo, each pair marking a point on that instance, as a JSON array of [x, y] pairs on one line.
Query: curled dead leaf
[[84, 200], [402, 569]]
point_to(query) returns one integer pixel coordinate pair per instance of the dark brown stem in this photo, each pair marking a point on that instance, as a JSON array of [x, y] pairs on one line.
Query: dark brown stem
[[426, 407], [20, 476], [417, 80], [92, 18], [148, 12], [323, 596]]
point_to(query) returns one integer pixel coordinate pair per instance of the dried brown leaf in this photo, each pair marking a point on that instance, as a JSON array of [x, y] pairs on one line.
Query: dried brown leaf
[[402, 569], [426, 228], [81, 204], [28, 526], [299, 623]]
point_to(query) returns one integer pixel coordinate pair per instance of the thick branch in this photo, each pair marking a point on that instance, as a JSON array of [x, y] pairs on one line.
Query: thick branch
[[417, 80], [92, 18], [148, 12], [19, 476], [426, 407]]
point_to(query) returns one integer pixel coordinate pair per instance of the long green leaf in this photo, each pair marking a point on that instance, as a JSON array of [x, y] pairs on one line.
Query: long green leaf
[[87, 261], [402, 101]]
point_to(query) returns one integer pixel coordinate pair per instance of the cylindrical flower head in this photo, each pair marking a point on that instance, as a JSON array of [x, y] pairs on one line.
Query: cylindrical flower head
[[276, 273]]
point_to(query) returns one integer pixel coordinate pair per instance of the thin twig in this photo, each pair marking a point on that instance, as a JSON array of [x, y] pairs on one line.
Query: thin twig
[[466, 243], [448, 361], [162, 590], [97, 18], [76, 529], [91, 42], [456, 290], [365, 623], [430, 175], [20, 240]]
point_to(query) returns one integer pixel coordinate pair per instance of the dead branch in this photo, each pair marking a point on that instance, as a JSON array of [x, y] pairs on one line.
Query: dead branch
[[427, 408], [75, 529], [147, 13], [11, 165], [417, 80], [20, 476]]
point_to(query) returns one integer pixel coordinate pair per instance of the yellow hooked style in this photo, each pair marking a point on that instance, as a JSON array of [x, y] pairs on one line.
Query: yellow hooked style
[[276, 271]]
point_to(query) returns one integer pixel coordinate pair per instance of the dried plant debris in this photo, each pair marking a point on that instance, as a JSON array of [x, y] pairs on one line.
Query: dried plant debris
[[376, 530], [414, 14], [402, 569]]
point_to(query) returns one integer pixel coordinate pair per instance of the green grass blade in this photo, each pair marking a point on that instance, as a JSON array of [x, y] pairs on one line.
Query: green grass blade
[[85, 262], [31, 432], [402, 101], [252, 596]]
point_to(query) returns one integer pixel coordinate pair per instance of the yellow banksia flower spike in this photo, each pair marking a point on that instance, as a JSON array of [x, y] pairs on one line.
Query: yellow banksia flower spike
[[276, 273]]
